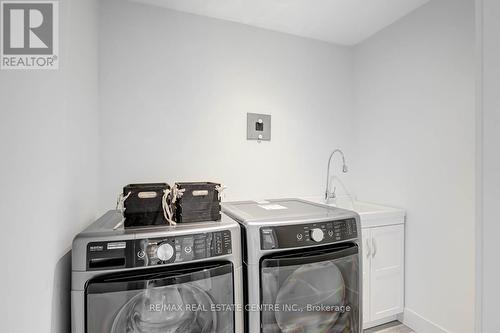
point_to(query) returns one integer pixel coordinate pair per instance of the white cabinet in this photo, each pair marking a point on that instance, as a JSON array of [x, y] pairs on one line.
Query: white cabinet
[[383, 273]]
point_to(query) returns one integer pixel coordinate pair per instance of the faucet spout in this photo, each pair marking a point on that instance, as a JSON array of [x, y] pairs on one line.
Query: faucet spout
[[331, 194]]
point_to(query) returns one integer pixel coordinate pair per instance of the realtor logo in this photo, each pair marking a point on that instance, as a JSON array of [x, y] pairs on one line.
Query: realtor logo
[[30, 35]]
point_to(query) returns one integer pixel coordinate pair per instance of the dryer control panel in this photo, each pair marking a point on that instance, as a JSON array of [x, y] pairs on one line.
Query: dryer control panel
[[158, 250], [290, 236]]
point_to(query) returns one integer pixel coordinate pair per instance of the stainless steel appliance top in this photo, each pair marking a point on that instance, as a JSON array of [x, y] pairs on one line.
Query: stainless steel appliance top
[[282, 210], [109, 225]]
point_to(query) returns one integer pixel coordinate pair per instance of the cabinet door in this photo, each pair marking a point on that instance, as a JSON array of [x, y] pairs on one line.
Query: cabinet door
[[366, 235], [387, 271]]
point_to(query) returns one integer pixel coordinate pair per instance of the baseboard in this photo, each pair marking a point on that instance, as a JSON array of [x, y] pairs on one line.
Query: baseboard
[[419, 324], [379, 322]]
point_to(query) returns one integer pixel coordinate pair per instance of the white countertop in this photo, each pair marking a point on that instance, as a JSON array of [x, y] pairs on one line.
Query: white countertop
[[372, 215]]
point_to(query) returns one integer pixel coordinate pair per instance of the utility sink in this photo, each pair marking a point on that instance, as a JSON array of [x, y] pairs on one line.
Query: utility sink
[[371, 214]]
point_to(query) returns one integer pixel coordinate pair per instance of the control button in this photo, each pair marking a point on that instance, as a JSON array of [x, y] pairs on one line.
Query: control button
[[317, 234], [165, 252], [141, 254]]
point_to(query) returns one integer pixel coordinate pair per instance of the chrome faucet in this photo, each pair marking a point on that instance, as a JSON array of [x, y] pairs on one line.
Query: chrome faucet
[[332, 195]]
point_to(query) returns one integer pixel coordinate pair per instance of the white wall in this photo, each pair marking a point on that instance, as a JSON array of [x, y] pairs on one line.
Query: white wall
[[48, 174], [175, 90], [416, 133], [489, 161]]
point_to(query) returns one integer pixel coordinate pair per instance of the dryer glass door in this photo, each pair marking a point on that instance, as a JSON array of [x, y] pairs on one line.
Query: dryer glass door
[[195, 299], [311, 291]]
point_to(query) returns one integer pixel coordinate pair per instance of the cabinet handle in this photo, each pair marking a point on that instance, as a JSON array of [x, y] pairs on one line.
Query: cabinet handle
[[369, 250], [374, 248]]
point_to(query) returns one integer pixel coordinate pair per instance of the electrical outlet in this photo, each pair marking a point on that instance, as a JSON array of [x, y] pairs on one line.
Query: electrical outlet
[[258, 127]]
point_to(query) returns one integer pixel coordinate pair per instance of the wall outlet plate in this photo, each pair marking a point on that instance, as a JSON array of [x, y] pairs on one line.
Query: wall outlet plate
[[258, 127]]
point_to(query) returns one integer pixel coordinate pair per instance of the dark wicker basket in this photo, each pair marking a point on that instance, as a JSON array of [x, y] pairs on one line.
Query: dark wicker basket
[[143, 204], [197, 202]]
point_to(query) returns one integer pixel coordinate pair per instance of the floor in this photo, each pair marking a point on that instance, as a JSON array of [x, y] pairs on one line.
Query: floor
[[394, 327]]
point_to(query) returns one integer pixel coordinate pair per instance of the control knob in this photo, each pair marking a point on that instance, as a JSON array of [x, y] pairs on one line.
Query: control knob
[[165, 252], [317, 235]]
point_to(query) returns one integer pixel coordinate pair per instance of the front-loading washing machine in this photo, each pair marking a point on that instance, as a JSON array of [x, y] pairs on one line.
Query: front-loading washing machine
[[302, 263], [185, 279]]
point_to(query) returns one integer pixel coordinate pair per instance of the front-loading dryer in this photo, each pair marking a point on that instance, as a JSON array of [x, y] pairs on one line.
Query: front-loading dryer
[[185, 279], [302, 263]]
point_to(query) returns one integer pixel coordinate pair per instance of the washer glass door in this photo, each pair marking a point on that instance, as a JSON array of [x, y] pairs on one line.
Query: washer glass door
[[192, 299], [311, 291]]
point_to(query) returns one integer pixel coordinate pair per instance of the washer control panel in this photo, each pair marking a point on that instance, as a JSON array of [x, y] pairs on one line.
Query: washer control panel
[[182, 248], [157, 251], [280, 237]]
